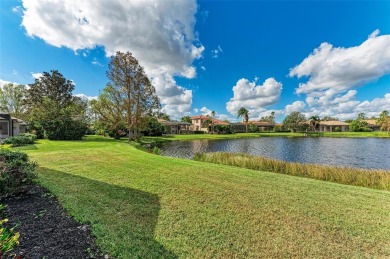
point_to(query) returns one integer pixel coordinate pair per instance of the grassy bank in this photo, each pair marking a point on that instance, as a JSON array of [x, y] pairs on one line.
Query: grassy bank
[[378, 179], [183, 137], [147, 206]]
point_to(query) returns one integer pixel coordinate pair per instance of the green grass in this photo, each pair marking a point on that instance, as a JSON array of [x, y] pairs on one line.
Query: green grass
[[145, 206], [377, 179], [373, 134]]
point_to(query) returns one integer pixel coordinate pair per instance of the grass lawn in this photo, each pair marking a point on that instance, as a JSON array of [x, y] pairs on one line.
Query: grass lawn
[[374, 134], [145, 206]]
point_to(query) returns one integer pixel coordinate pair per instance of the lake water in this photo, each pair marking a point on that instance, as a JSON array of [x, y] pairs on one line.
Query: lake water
[[352, 152]]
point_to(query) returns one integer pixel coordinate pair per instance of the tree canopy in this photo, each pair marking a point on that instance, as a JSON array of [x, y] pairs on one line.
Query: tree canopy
[[129, 98], [244, 114], [11, 99], [52, 108], [295, 121]]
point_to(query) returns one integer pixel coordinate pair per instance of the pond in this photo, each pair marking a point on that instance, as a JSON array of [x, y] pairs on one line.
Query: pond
[[352, 152]]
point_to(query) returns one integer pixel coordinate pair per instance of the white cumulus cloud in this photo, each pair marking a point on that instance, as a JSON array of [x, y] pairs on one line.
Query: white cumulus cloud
[[254, 97], [340, 69], [160, 34]]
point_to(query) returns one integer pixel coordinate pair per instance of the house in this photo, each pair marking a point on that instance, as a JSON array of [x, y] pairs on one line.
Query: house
[[198, 123], [238, 127], [330, 126], [372, 124], [263, 125], [11, 126], [176, 127]]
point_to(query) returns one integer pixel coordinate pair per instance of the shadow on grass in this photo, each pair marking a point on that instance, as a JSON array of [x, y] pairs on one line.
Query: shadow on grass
[[123, 219]]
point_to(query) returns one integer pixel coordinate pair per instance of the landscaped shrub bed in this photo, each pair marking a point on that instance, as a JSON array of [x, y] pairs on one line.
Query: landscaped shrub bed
[[377, 179], [21, 140], [16, 172], [9, 238]]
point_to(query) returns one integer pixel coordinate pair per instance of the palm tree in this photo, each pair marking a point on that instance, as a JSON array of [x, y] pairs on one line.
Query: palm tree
[[212, 124], [244, 114], [314, 121]]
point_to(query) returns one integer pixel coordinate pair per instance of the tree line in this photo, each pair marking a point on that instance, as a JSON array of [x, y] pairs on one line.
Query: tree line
[[52, 111]]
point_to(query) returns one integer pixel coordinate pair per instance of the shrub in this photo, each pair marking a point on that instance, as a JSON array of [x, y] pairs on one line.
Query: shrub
[[65, 129], [21, 140], [198, 132], [9, 239], [16, 171]]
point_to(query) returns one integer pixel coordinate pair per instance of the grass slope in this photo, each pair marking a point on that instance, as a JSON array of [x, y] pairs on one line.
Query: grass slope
[[147, 206]]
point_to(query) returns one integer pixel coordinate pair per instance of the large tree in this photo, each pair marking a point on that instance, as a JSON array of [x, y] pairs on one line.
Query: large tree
[[135, 94], [108, 112], [11, 99], [52, 108], [244, 114], [295, 121]]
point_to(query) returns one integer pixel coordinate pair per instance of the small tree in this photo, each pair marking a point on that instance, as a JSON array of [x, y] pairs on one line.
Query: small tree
[[359, 124], [186, 119], [212, 120], [244, 114], [314, 121], [11, 99], [270, 118], [295, 121], [384, 121]]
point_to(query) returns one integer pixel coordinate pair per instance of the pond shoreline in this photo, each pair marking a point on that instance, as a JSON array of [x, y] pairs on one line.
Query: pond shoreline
[[347, 152]]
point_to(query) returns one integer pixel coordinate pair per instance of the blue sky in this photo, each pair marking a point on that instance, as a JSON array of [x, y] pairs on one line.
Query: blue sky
[[317, 57]]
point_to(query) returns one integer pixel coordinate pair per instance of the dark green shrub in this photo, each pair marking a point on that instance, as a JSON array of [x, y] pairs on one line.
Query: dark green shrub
[[337, 129], [21, 140], [117, 133], [198, 132], [16, 171], [223, 129], [65, 129], [153, 128]]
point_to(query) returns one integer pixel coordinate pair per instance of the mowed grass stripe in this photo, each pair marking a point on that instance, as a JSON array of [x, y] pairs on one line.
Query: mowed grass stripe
[[143, 205]]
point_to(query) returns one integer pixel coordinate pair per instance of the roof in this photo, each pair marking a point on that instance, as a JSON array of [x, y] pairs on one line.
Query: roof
[[334, 123], [199, 117], [175, 123], [215, 121], [17, 119], [371, 122], [219, 122]]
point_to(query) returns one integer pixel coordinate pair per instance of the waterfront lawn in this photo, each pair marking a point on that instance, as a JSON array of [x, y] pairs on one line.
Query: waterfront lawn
[[140, 205]]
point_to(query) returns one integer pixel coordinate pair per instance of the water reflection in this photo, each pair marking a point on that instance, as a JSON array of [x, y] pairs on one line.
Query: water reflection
[[364, 152]]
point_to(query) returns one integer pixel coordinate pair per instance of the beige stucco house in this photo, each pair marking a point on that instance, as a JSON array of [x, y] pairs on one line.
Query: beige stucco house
[[330, 126]]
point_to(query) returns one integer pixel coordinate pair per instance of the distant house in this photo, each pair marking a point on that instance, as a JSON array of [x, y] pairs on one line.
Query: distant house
[[176, 127], [330, 126], [372, 124], [198, 123], [10, 126], [238, 127], [263, 125]]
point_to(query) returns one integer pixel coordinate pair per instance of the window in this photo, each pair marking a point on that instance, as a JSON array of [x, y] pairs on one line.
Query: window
[[4, 128]]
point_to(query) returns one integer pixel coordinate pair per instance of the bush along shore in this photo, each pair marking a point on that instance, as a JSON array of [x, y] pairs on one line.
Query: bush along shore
[[376, 179]]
